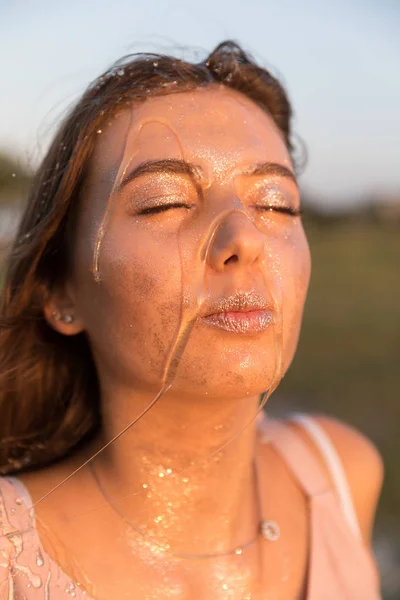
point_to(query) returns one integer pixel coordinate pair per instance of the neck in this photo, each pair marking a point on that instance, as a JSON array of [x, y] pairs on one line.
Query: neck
[[180, 474]]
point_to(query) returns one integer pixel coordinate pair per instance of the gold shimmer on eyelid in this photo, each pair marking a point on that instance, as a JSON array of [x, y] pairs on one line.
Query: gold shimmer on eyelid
[[163, 189], [162, 179], [267, 197], [273, 197]]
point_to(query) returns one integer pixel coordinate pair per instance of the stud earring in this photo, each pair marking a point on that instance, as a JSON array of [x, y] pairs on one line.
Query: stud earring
[[67, 319]]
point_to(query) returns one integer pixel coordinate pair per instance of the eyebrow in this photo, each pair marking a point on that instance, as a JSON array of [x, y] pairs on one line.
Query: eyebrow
[[168, 165], [182, 167], [273, 170]]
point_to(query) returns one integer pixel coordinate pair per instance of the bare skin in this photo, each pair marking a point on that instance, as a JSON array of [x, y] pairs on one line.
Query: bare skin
[[158, 470]]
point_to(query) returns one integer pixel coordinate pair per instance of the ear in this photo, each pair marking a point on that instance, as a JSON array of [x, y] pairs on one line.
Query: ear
[[61, 313]]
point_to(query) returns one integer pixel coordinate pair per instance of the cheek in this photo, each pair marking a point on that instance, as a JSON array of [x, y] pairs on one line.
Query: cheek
[[295, 280], [131, 315]]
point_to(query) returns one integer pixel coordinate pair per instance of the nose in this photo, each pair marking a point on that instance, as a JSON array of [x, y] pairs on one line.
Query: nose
[[237, 241]]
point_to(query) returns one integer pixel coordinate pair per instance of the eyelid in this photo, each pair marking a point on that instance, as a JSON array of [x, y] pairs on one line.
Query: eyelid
[[149, 196], [275, 197], [265, 187], [147, 182]]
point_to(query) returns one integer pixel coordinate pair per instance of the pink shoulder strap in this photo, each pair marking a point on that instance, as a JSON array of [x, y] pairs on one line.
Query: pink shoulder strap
[[340, 565], [302, 462], [334, 464]]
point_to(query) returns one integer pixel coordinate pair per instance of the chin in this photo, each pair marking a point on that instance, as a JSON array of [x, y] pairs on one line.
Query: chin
[[235, 374], [236, 382]]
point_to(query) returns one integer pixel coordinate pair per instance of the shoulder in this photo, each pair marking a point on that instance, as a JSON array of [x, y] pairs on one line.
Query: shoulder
[[362, 464], [12, 511], [9, 499], [13, 508]]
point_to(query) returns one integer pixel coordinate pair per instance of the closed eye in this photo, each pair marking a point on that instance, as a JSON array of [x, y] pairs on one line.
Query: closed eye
[[163, 208], [289, 210]]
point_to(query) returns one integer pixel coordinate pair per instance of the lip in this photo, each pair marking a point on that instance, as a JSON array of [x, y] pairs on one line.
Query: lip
[[243, 312], [253, 321]]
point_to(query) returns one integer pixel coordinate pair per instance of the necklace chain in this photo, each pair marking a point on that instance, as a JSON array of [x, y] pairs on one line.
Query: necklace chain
[[268, 530]]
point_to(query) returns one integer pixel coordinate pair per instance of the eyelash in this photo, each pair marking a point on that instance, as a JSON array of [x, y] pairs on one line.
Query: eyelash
[[163, 208], [288, 210], [294, 212]]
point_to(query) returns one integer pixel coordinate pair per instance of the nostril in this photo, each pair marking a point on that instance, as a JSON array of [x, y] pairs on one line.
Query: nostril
[[232, 259]]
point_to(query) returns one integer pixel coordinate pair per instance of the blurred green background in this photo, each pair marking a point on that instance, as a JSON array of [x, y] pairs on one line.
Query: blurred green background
[[348, 359]]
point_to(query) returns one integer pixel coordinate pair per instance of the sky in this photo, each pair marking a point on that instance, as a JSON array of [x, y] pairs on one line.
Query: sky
[[339, 60]]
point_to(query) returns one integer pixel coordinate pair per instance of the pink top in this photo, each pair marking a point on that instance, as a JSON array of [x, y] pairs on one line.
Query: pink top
[[340, 566]]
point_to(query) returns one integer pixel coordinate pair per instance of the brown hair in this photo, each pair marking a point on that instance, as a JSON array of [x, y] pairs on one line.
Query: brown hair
[[48, 383]]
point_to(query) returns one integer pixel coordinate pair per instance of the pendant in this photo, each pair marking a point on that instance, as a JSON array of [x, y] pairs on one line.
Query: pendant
[[270, 530]]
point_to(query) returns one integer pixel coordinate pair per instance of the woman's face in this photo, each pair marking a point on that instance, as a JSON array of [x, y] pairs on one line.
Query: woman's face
[[203, 267]]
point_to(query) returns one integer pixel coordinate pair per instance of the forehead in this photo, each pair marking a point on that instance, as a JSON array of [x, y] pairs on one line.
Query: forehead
[[214, 127]]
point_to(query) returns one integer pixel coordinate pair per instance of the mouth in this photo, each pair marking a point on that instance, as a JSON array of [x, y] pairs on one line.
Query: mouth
[[248, 312]]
